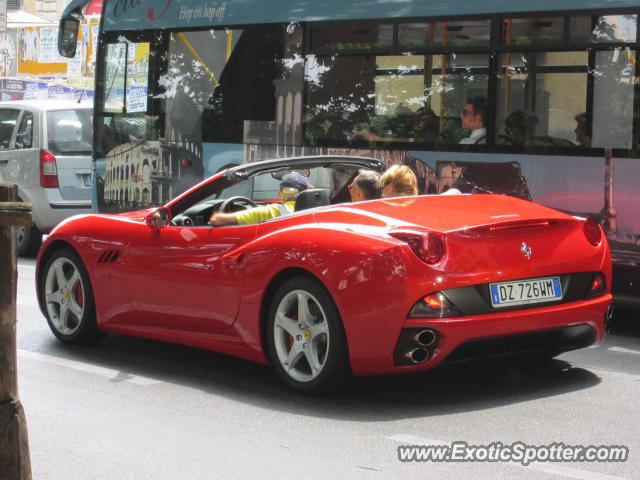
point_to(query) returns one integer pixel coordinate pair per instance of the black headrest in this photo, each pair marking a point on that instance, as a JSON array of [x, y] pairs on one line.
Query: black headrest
[[313, 197]]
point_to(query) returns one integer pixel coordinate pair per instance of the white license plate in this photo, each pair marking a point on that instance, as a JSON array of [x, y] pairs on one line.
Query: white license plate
[[522, 292]]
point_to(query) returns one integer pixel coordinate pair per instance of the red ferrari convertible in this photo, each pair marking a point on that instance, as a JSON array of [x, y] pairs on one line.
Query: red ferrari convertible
[[335, 288]]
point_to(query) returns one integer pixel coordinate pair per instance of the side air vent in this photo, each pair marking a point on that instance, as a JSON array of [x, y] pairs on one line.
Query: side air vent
[[109, 256]]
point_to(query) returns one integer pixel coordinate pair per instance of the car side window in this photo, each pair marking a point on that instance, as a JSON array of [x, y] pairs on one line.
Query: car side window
[[24, 137], [8, 119]]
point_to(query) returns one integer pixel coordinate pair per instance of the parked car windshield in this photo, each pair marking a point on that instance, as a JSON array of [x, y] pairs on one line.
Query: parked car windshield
[[69, 131]]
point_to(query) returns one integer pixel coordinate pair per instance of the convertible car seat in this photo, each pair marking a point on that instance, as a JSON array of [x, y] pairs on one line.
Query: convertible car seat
[[314, 197]]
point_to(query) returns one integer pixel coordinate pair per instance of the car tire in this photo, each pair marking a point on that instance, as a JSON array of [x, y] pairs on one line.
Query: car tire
[[67, 299], [305, 337], [27, 240]]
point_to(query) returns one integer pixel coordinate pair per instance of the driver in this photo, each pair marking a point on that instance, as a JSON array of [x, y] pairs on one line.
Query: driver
[[291, 185]]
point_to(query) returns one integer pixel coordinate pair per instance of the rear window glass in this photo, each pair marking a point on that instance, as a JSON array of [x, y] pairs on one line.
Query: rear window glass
[[69, 132]]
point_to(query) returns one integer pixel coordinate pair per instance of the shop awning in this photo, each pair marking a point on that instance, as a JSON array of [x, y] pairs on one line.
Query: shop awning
[[21, 18]]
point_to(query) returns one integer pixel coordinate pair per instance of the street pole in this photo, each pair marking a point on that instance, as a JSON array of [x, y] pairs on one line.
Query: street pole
[[15, 463], [608, 214]]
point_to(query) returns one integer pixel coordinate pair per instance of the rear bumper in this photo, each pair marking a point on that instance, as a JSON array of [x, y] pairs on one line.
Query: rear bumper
[[545, 342], [563, 327]]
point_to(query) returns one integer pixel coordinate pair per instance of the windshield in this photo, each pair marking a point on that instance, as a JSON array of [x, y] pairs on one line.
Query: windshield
[[69, 132], [264, 187]]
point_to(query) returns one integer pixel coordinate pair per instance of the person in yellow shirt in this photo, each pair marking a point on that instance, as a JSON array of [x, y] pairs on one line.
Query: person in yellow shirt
[[291, 185]]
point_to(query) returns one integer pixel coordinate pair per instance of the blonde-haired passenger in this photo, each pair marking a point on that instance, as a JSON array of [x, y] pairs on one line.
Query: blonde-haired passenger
[[398, 181]]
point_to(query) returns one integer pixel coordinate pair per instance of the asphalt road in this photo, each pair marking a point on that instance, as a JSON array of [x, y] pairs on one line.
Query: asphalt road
[[138, 409]]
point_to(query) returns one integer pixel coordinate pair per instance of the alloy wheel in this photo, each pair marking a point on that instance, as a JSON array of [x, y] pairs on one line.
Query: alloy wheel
[[64, 296], [301, 335]]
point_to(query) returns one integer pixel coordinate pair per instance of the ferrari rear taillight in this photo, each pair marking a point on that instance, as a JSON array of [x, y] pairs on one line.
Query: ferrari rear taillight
[[435, 305], [592, 231], [428, 247], [598, 286], [48, 170]]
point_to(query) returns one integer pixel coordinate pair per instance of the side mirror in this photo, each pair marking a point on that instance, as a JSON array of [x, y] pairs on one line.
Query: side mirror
[[68, 36], [159, 218]]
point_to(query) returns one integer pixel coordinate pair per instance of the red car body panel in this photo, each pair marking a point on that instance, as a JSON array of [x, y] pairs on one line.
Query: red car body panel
[[208, 287]]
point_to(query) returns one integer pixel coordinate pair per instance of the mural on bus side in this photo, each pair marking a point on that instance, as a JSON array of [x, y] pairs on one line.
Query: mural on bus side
[[143, 174]]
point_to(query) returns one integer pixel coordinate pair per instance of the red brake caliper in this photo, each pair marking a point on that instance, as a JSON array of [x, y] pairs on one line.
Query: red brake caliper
[[79, 294], [291, 339]]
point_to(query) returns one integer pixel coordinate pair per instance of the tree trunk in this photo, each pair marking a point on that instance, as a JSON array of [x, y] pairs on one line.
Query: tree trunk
[[14, 445]]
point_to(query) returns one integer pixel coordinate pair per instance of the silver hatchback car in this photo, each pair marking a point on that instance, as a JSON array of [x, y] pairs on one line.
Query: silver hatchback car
[[45, 148]]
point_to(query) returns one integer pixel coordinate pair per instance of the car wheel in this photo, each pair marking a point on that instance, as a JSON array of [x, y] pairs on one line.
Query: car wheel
[[27, 240], [306, 341], [68, 301]]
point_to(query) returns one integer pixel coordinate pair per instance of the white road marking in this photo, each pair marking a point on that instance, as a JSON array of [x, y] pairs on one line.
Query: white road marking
[[624, 350], [27, 299], [110, 373], [551, 468]]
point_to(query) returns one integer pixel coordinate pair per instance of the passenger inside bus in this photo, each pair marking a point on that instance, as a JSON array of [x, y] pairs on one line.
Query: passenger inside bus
[[520, 128], [520, 131], [582, 139], [473, 118], [421, 126]]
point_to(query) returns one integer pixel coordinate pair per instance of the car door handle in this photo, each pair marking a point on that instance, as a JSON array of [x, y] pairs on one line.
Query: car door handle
[[4, 162]]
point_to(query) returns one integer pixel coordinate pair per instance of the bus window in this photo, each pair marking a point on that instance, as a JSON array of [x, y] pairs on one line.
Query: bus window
[[604, 29], [197, 61], [358, 36], [528, 31], [539, 97], [116, 66], [472, 33], [339, 96], [260, 71], [126, 62], [543, 100], [453, 81], [404, 98], [614, 84]]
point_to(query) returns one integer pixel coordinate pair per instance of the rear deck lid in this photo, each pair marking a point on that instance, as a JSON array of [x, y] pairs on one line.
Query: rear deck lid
[[444, 213], [495, 236]]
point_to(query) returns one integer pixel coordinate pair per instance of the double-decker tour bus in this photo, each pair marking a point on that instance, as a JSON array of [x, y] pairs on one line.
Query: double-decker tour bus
[[533, 99]]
